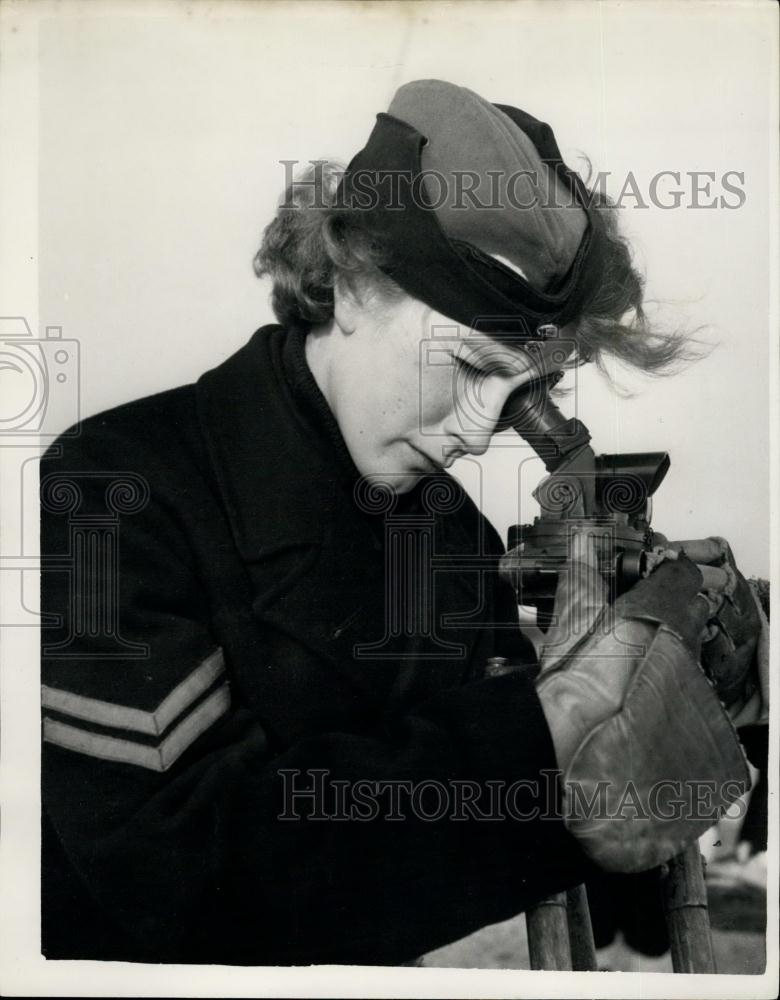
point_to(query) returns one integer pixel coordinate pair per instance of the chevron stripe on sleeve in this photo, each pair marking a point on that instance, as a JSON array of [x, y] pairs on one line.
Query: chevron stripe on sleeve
[[150, 739]]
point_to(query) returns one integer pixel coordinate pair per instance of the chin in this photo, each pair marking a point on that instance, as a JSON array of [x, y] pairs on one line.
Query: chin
[[397, 482], [407, 482]]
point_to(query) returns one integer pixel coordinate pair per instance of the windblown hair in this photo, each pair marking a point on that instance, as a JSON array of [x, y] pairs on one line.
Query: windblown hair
[[310, 244]]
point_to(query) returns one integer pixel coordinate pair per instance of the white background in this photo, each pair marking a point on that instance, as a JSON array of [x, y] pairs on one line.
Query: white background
[[140, 163]]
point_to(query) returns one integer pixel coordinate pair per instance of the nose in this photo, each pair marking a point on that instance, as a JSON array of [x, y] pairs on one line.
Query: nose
[[476, 415]]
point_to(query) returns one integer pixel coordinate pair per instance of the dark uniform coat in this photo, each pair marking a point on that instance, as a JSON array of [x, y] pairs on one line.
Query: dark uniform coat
[[238, 650]]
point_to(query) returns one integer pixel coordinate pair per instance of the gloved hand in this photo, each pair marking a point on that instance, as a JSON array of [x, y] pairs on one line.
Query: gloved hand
[[649, 756], [735, 645]]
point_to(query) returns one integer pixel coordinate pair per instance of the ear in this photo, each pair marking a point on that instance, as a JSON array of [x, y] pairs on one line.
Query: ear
[[347, 305]]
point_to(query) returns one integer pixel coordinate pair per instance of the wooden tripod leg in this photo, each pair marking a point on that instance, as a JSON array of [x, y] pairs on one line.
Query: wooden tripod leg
[[548, 934], [687, 917], [581, 943]]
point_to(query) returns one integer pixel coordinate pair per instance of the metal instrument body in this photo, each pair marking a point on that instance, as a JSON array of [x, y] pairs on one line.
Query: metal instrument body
[[612, 493]]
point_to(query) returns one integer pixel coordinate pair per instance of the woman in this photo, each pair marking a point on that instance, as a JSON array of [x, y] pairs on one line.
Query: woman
[[264, 682]]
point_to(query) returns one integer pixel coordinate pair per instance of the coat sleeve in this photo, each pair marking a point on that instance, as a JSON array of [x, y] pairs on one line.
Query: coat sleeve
[[193, 840]]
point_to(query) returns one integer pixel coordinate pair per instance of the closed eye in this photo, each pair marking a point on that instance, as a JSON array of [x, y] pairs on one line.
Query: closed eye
[[494, 369], [468, 368]]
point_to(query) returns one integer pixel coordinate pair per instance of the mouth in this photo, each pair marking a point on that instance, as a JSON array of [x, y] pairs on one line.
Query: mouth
[[427, 463], [452, 458]]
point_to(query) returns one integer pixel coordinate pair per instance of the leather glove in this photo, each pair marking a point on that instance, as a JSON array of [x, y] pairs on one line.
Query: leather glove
[[649, 756], [735, 643]]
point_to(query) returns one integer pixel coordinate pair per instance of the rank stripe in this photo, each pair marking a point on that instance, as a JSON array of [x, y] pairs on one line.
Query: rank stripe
[[106, 713], [158, 758]]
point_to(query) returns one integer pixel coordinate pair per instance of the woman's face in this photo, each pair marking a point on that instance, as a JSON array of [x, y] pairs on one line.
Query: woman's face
[[412, 390]]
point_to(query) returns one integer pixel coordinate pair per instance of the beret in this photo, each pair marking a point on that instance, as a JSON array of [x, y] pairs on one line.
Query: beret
[[476, 212], [528, 217]]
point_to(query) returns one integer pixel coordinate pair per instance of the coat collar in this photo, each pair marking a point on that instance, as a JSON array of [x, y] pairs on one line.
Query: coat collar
[[281, 465]]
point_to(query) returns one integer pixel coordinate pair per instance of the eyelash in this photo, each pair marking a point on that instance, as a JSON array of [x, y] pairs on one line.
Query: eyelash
[[469, 368], [479, 372]]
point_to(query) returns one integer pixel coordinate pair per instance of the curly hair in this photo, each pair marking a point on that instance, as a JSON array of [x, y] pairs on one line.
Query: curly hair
[[311, 244]]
